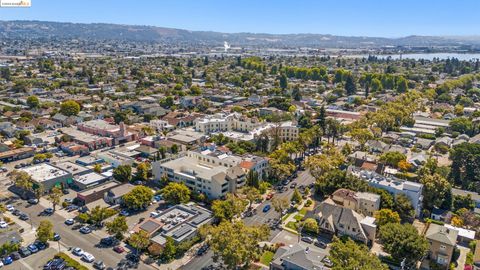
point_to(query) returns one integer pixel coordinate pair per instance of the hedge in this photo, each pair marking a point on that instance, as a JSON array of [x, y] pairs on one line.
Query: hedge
[[70, 262]]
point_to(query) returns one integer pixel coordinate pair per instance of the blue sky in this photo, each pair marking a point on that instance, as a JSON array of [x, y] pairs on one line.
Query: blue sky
[[386, 18]]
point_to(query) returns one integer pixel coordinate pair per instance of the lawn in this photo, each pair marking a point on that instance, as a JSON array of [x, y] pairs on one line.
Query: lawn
[[298, 217], [303, 211], [266, 258], [291, 225]]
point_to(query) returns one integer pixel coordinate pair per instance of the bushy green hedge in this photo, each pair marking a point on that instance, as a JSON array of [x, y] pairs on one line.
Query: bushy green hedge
[[70, 262]]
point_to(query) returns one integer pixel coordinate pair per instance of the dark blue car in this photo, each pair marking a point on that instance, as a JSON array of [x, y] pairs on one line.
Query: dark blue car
[[266, 208]]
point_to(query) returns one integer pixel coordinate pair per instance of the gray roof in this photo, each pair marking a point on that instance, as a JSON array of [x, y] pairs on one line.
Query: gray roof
[[303, 257], [441, 234]]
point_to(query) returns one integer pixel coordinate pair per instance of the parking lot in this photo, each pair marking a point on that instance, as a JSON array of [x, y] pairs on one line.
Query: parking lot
[[35, 261]]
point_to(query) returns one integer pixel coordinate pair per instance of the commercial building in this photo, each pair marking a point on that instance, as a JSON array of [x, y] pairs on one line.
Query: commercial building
[[47, 176], [119, 133], [226, 122], [180, 222], [114, 195], [89, 180], [91, 141], [15, 154], [95, 193]]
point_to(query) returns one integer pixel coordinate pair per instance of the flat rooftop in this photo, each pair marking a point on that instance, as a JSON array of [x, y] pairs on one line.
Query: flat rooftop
[[72, 168], [90, 178], [191, 168], [44, 172]]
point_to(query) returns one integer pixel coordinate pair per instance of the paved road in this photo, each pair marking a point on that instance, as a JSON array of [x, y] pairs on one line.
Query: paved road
[[304, 178], [73, 238]]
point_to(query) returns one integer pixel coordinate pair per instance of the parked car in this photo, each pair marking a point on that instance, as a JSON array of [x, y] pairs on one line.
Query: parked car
[[66, 191], [48, 211], [85, 230], [307, 239], [88, 257], [68, 200], [10, 208], [99, 265], [40, 245], [33, 248], [133, 257], [15, 256], [33, 201], [124, 212], [56, 237], [24, 252], [154, 214], [108, 241], [71, 207], [3, 224], [16, 212], [69, 221], [23, 216], [320, 244], [269, 196], [77, 251], [203, 249], [118, 249], [293, 185], [7, 260], [266, 208], [55, 264]]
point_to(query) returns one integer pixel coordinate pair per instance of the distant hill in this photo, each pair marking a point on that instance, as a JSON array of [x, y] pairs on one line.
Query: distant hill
[[102, 31]]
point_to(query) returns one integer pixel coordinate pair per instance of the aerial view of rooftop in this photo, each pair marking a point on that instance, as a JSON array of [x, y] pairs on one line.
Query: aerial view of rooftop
[[240, 135]]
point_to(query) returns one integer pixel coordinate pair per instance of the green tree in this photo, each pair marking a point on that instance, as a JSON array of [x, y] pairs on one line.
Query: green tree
[[99, 214], [350, 86], [97, 168], [139, 240], [402, 84], [169, 249], [463, 125], [118, 226], [403, 241], [296, 196], [142, 171], [437, 191], [235, 243], [33, 102], [403, 206], [175, 193], [385, 216], [310, 225], [138, 198], [70, 108], [392, 158], [123, 173], [45, 231], [280, 204], [229, 208], [348, 255], [54, 196], [283, 81], [252, 194], [21, 180]]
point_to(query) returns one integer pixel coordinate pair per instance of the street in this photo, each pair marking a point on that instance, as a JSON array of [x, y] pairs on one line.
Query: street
[[304, 178]]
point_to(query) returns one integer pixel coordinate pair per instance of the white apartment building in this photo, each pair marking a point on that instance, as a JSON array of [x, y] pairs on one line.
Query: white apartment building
[[226, 122], [161, 125], [393, 185]]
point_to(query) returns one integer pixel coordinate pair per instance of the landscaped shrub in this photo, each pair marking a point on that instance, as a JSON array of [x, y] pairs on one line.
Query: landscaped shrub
[[70, 262]]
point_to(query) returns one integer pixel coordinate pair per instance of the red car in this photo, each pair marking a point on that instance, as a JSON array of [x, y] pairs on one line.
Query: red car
[[118, 249], [269, 196]]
